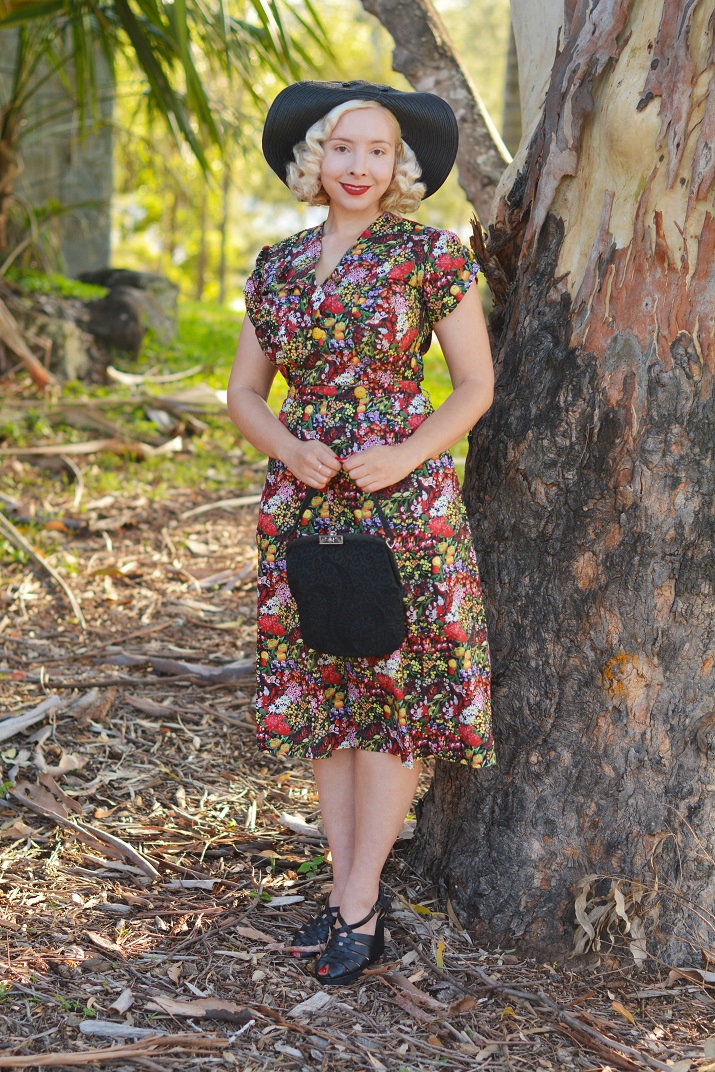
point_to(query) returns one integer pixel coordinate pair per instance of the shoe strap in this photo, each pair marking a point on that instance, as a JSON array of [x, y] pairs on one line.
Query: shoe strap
[[342, 924], [309, 933]]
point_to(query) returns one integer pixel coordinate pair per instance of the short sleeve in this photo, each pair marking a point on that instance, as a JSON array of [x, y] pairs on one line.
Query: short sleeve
[[253, 291], [449, 272]]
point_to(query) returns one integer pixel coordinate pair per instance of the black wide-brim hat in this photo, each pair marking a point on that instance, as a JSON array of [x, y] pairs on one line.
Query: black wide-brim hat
[[427, 123]]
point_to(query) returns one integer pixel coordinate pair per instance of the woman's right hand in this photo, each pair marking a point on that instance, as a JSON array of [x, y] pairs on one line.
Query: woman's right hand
[[311, 462]]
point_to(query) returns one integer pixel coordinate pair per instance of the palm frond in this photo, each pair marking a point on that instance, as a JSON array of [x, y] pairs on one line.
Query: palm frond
[[175, 44]]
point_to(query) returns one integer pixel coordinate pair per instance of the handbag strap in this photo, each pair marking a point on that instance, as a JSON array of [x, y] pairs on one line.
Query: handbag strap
[[316, 491]]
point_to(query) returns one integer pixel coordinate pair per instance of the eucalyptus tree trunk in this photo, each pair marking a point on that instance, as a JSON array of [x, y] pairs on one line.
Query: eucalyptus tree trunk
[[511, 115], [590, 489]]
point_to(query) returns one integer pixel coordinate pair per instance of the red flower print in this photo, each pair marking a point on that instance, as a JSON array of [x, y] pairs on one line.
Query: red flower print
[[415, 420], [268, 525], [469, 735], [408, 385], [409, 337], [270, 624], [438, 526], [331, 304], [402, 271], [447, 261], [389, 686], [276, 724], [454, 631], [331, 676]]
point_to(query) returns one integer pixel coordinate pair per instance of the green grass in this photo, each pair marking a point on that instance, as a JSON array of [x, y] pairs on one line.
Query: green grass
[[438, 385], [207, 336]]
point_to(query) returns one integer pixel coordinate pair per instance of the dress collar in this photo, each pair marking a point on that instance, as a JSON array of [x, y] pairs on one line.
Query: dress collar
[[379, 226], [300, 268]]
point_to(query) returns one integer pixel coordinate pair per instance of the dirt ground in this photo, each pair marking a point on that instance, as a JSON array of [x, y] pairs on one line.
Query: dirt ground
[[154, 864]]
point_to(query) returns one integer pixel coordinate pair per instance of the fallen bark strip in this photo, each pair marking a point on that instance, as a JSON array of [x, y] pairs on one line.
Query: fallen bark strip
[[221, 504], [78, 478], [8, 529], [14, 339], [86, 832], [183, 1043], [132, 379], [211, 1008], [214, 675], [107, 682], [113, 1030], [125, 448], [10, 726]]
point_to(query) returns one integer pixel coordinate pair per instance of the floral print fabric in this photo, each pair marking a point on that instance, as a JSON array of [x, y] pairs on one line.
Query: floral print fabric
[[351, 350]]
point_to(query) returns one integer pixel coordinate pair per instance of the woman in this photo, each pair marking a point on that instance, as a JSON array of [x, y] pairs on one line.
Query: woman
[[346, 312]]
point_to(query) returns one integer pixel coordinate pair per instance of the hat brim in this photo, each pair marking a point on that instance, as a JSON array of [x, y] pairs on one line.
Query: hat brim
[[427, 123]]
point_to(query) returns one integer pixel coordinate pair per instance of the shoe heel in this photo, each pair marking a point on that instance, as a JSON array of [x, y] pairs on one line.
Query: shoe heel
[[379, 947]]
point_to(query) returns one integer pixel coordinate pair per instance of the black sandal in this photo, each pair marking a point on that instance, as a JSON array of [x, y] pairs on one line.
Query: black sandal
[[351, 951], [316, 931]]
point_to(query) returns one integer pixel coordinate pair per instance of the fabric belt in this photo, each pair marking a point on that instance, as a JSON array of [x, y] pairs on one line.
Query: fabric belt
[[357, 392]]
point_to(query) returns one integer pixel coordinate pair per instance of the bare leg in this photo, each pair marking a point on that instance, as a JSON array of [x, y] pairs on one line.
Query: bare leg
[[335, 779], [364, 805]]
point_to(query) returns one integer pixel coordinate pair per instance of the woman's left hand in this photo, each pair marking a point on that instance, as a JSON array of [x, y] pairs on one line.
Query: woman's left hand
[[378, 467]]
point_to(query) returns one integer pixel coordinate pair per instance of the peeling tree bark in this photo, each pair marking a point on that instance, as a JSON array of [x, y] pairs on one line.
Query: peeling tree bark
[[511, 115], [427, 58], [590, 487]]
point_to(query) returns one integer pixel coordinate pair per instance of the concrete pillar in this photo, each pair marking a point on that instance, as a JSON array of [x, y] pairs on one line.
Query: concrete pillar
[[64, 164]]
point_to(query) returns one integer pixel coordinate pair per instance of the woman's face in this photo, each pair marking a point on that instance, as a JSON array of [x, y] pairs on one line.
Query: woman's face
[[359, 160]]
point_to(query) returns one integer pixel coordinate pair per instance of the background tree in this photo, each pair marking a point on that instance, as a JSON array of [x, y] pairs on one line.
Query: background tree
[[590, 486], [425, 55]]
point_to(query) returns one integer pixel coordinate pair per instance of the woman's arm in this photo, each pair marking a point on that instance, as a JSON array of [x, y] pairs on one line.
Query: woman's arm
[[248, 387], [465, 345]]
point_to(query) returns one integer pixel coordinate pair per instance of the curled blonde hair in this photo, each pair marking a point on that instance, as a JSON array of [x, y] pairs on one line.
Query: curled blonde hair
[[303, 176]]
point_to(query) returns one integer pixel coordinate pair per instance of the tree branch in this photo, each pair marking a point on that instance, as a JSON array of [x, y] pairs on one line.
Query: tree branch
[[427, 58]]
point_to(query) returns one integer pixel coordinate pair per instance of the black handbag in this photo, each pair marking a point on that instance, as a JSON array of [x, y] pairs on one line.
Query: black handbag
[[348, 590]]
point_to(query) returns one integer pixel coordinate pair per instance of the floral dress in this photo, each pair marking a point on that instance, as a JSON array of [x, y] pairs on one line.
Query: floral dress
[[351, 350]]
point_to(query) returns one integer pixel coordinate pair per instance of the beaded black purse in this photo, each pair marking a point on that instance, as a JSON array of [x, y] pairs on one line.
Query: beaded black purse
[[348, 590]]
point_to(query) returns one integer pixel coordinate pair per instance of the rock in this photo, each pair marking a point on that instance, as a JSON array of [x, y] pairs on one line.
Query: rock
[[154, 294], [72, 352], [118, 319]]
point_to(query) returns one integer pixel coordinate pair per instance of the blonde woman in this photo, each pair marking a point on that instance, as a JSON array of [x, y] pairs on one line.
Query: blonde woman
[[345, 311]]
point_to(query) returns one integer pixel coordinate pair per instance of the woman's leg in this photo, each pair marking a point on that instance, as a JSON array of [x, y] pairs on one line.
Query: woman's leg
[[364, 798], [335, 779]]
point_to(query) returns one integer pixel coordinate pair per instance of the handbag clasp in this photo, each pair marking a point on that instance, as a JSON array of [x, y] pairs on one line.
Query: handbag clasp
[[330, 537]]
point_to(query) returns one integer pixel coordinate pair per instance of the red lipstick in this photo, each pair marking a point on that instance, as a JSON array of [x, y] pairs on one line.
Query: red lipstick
[[354, 191]]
